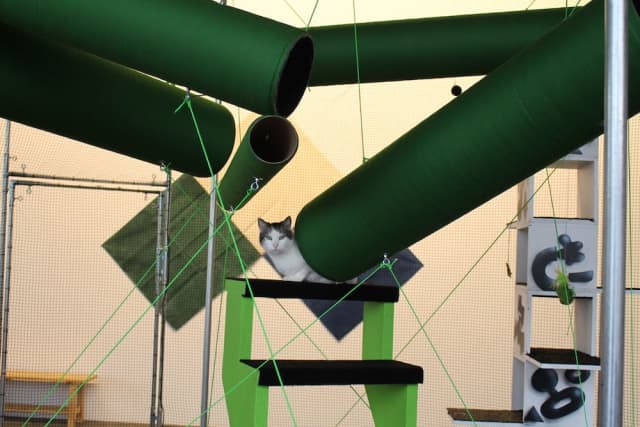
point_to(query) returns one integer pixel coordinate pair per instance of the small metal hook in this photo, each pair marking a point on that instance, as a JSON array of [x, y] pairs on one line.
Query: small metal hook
[[255, 185]]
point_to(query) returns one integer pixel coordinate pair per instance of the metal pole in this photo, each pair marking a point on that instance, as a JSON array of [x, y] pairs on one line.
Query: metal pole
[[156, 317], [206, 357], [5, 307], [3, 218], [615, 209], [206, 342], [163, 299]]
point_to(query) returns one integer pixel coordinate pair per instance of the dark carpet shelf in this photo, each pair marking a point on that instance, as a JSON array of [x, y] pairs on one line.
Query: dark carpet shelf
[[486, 415], [264, 288], [337, 372]]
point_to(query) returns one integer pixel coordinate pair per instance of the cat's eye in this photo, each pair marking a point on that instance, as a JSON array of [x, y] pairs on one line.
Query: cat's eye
[[281, 237], [267, 237]]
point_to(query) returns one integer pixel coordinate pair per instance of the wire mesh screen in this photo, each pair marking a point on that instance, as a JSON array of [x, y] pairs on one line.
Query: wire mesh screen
[[69, 311]]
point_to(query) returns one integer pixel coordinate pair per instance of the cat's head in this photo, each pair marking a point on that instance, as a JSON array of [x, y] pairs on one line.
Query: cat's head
[[276, 237]]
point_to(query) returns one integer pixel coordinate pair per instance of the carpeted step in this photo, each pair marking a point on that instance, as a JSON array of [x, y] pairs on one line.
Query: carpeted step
[[336, 372], [328, 291]]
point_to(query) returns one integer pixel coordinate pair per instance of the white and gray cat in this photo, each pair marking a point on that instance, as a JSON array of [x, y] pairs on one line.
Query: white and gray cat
[[281, 248]]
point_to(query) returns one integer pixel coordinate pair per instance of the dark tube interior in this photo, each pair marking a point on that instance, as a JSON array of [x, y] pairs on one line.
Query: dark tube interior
[[294, 76], [274, 140], [636, 3]]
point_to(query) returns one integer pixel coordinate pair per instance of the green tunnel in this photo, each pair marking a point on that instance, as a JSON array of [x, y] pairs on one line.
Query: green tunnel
[[540, 105], [83, 97], [221, 51], [268, 145], [463, 45]]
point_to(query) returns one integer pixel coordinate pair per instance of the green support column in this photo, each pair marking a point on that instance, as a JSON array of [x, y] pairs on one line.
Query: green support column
[[224, 52], [392, 405], [80, 96], [377, 330], [463, 45], [247, 402], [535, 108]]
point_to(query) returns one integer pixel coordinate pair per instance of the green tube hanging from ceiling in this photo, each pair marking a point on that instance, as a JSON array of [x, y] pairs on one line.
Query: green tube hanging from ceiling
[[540, 105], [224, 52], [269, 144], [450, 46], [80, 96]]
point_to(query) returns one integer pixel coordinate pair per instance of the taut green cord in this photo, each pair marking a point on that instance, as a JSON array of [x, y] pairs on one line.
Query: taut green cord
[[133, 326], [355, 42], [295, 12], [187, 102], [255, 305], [432, 345], [567, 290], [475, 264], [313, 322], [54, 387], [313, 12]]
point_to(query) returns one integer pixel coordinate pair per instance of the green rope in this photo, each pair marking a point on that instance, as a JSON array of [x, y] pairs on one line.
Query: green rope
[[133, 326], [318, 349], [355, 43], [431, 344], [565, 293], [313, 12], [295, 12], [473, 266], [293, 339], [187, 102]]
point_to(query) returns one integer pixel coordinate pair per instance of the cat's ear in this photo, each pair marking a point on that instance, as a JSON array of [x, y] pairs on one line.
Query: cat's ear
[[287, 222], [262, 225]]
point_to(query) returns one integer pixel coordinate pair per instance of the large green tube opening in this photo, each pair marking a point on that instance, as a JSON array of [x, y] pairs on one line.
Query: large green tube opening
[[268, 145], [273, 140], [294, 77]]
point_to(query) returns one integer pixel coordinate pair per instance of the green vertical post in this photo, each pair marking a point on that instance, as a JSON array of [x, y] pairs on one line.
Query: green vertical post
[[377, 330], [233, 55], [247, 402]]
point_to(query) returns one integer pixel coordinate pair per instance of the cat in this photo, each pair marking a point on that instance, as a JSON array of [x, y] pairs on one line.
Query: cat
[[282, 250]]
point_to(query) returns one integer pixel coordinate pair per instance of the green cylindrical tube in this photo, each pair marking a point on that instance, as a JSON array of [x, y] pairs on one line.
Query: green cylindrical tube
[[268, 145], [86, 98], [245, 59], [535, 108], [449, 46]]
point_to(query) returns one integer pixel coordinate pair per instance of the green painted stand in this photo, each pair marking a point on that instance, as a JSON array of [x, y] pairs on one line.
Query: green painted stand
[[247, 402], [392, 404]]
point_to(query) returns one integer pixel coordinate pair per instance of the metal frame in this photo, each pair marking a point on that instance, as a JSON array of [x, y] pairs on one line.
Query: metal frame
[[610, 408], [9, 183]]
